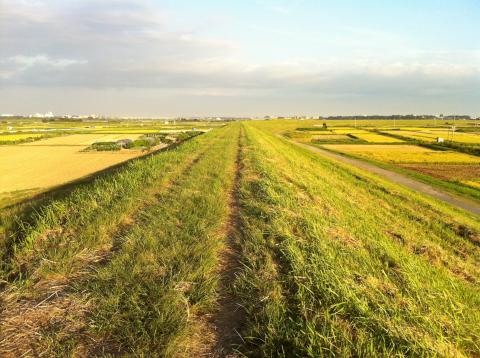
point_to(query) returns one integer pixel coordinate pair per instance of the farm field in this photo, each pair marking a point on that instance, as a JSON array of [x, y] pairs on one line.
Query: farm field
[[450, 166], [58, 157], [450, 170], [47, 166], [17, 137], [404, 154], [376, 138], [432, 135], [239, 229], [82, 140]]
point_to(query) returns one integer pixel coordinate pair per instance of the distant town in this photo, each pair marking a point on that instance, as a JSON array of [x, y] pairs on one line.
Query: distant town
[[50, 116]]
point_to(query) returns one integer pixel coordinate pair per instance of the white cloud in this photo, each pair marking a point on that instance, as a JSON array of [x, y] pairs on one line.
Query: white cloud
[[126, 44]]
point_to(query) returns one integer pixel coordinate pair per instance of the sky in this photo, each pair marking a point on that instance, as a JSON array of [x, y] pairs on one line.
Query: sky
[[239, 58]]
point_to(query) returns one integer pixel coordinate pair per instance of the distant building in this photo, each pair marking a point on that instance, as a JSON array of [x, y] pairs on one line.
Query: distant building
[[440, 140]]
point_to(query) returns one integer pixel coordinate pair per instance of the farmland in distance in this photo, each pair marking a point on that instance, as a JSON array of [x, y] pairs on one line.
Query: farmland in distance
[[39, 156]]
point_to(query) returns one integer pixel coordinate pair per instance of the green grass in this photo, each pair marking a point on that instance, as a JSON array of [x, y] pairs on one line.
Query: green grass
[[341, 264], [133, 253], [454, 187]]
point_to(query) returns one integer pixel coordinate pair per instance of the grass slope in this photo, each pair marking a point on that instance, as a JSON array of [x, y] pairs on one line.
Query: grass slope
[[121, 265], [338, 263]]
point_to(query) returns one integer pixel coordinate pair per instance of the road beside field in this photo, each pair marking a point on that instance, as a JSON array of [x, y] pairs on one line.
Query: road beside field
[[454, 200]]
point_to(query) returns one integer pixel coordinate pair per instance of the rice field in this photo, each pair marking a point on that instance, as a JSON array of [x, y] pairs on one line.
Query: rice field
[[431, 136], [18, 136], [404, 154], [349, 131], [49, 166], [376, 138], [82, 140]]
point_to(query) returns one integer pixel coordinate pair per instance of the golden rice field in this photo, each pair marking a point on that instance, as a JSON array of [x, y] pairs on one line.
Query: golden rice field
[[332, 137], [376, 138], [349, 131], [320, 133], [48, 166], [19, 136], [431, 136], [403, 154], [82, 139]]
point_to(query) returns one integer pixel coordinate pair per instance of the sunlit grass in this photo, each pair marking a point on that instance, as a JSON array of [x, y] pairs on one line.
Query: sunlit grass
[[338, 263]]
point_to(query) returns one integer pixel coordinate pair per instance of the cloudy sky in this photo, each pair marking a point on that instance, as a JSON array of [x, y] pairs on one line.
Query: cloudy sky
[[242, 57]]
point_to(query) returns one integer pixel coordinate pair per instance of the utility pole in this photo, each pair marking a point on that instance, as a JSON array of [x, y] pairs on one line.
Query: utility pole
[[453, 127]]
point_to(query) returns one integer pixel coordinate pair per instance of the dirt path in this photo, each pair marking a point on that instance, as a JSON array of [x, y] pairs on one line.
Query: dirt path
[[229, 317], [218, 334], [415, 185]]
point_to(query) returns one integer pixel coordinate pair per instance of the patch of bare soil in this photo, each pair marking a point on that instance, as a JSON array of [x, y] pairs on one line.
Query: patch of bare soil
[[446, 171]]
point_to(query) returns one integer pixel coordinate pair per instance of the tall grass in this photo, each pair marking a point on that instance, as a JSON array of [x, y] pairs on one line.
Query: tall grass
[[339, 263], [133, 255]]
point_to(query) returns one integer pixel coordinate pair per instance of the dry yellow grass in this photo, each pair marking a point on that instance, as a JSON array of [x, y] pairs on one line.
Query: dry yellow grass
[[472, 183], [404, 154], [23, 167], [81, 139]]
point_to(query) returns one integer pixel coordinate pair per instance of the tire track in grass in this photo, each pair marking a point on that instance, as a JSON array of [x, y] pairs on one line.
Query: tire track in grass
[[218, 334]]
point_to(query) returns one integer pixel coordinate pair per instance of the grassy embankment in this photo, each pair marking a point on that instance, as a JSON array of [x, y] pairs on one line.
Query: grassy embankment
[[341, 263], [122, 265]]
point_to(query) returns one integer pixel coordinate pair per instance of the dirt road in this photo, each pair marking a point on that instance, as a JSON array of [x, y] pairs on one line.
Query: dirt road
[[413, 184]]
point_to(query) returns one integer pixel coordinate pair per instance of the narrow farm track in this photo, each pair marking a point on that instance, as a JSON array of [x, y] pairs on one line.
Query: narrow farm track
[[219, 333], [415, 185]]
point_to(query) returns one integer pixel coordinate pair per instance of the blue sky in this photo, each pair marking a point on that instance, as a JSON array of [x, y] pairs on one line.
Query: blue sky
[[249, 57]]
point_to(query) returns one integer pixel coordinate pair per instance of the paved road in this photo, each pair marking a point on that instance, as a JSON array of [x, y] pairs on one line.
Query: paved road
[[466, 204]]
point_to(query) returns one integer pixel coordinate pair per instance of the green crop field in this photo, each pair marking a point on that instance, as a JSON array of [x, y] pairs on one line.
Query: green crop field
[[238, 242]]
